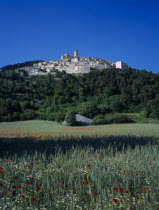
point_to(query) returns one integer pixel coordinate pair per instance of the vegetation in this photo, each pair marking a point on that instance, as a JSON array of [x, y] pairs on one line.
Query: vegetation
[[85, 173], [50, 166], [40, 129], [112, 118], [70, 118], [98, 95], [20, 65]]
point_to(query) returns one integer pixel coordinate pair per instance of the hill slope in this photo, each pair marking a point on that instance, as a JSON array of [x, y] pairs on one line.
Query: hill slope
[[95, 94]]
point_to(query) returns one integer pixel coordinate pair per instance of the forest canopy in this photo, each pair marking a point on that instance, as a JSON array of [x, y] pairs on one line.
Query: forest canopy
[[97, 94]]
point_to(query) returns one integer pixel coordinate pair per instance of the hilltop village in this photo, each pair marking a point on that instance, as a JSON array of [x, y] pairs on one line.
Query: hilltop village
[[74, 64]]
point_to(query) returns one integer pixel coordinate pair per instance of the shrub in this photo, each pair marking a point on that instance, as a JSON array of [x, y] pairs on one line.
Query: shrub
[[112, 118], [59, 116], [70, 118], [28, 115]]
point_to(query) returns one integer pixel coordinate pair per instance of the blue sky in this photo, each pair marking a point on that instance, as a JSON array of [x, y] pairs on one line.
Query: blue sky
[[126, 30]]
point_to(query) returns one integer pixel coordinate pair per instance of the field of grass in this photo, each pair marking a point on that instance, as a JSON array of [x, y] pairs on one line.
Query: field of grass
[[40, 129], [79, 173], [78, 168]]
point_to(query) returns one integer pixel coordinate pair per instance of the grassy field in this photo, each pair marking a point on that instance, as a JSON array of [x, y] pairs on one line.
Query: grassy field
[[81, 174], [42, 129], [78, 168]]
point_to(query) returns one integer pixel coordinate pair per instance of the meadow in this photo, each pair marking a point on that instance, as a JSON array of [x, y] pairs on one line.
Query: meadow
[[94, 171], [48, 129]]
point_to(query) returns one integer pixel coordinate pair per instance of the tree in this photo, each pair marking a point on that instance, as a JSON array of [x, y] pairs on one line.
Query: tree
[[70, 118], [152, 109]]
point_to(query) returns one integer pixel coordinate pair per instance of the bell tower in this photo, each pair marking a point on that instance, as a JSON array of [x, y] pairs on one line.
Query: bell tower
[[76, 53]]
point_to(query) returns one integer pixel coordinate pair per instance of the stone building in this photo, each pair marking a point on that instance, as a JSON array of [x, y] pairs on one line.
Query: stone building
[[76, 64], [121, 65]]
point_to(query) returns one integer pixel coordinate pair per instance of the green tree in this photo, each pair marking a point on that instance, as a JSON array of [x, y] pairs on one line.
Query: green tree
[[70, 118]]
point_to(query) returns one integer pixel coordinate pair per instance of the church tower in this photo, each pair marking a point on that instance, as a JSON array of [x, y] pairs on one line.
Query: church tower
[[76, 53]]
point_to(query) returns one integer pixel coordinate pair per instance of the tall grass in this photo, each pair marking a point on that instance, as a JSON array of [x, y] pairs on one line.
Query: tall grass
[[86, 173]]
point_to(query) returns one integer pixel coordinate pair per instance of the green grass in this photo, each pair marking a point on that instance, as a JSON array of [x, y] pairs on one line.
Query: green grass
[[83, 168], [35, 124], [48, 128], [85, 176]]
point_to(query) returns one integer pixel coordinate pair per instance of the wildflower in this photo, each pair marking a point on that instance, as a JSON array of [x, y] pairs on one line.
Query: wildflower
[[137, 174], [29, 183], [115, 188], [33, 198], [1, 168], [60, 185], [29, 167], [1, 171], [88, 166], [85, 183], [115, 200], [18, 186], [126, 191], [38, 188], [154, 158], [145, 189], [120, 190], [4, 161], [119, 169], [23, 196]]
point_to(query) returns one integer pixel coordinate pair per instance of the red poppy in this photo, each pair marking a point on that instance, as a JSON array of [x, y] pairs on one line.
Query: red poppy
[[4, 161], [29, 167], [115, 200], [119, 169], [88, 166], [29, 183], [137, 174], [120, 190], [1, 171], [95, 193], [23, 196], [33, 198], [60, 185], [86, 183], [126, 191], [154, 158], [115, 188], [1, 168], [38, 188], [145, 189], [18, 186]]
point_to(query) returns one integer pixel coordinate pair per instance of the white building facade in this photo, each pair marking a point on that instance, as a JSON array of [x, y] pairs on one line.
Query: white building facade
[[76, 64]]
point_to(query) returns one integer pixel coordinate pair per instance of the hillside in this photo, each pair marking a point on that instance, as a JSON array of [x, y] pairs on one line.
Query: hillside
[[98, 95], [20, 65]]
